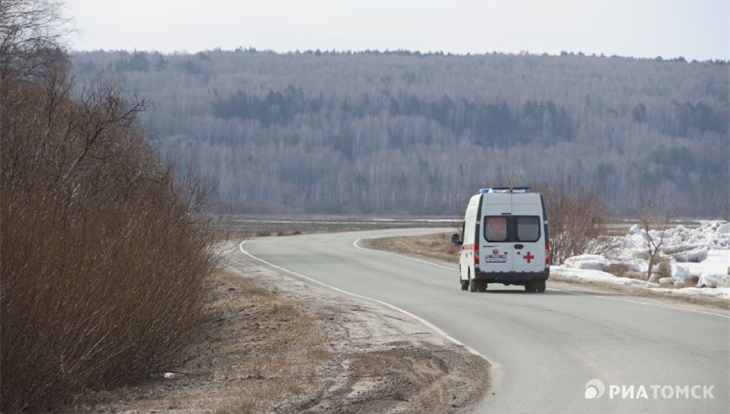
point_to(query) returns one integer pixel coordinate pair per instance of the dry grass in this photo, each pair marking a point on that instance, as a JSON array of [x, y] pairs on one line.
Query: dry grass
[[663, 269], [623, 270], [257, 351], [620, 270], [691, 281], [436, 246]]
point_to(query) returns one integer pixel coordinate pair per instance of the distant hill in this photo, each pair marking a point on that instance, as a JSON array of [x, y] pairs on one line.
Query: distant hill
[[402, 132]]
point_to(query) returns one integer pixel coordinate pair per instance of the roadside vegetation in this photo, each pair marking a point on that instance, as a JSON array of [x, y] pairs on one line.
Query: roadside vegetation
[[258, 351], [577, 218], [102, 255]]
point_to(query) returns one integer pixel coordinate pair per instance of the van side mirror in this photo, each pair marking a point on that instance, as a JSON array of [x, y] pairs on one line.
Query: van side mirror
[[455, 241]]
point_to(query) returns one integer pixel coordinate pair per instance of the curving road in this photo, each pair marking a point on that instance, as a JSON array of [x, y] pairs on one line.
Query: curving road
[[545, 348]]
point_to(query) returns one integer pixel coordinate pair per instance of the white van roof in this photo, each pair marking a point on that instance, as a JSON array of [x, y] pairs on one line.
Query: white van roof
[[504, 189]]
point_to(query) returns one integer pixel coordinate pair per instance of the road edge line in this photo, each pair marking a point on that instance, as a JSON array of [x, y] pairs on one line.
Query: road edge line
[[577, 291], [380, 302], [357, 246]]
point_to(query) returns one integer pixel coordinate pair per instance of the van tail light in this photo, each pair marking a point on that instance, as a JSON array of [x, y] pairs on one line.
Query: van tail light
[[476, 254], [547, 254]]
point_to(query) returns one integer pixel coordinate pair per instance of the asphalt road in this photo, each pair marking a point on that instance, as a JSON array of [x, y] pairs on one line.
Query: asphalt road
[[545, 348]]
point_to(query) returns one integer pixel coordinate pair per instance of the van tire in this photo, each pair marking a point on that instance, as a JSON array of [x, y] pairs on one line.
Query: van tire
[[472, 283], [464, 283], [538, 286]]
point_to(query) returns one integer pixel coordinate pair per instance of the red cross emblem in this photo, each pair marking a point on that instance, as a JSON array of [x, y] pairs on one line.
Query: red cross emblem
[[495, 252], [528, 257]]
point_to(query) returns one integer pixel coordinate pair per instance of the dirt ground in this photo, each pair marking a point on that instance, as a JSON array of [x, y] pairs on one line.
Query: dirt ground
[[275, 345]]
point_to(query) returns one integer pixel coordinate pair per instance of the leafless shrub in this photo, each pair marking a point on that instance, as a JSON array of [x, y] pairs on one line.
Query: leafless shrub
[[602, 243], [101, 249], [664, 269], [624, 270], [576, 217], [691, 281], [654, 219], [618, 269], [635, 275], [30, 36]]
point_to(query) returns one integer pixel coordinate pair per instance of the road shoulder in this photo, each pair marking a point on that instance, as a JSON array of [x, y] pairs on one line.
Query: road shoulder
[[275, 344]]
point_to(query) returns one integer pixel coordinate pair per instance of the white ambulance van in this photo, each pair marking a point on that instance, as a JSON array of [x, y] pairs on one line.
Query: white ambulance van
[[505, 241]]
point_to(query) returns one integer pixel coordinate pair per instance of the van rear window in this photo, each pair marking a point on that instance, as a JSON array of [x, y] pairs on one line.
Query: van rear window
[[528, 229], [512, 228], [495, 228]]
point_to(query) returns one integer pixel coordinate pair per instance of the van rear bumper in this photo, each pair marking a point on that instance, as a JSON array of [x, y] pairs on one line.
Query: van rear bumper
[[510, 278]]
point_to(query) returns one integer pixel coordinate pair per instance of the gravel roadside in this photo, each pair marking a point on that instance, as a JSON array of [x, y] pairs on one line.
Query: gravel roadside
[[273, 344]]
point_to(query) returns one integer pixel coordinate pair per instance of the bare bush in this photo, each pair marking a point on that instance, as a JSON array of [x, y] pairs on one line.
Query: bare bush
[[692, 281], [102, 263], [654, 219], [663, 269], [101, 249], [577, 219], [30, 35], [619, 269]]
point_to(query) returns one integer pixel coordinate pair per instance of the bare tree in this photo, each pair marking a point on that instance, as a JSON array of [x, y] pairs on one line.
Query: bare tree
[[30, 36], [576, 217], [654, 219]]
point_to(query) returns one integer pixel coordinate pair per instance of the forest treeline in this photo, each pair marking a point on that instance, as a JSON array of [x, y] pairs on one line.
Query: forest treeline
[[411, 133]]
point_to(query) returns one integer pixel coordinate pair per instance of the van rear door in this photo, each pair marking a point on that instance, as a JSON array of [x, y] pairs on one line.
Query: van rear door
[[527, 237], [496, 252], [512, 233], [513, 244], [529, 250]]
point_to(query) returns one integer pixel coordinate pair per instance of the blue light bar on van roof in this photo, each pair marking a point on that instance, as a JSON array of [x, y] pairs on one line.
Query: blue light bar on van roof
[[503, 189]]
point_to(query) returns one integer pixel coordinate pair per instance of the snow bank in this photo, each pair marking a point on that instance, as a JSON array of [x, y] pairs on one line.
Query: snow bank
[[600, 276], [722, 293], [699, 254], [587, 261]]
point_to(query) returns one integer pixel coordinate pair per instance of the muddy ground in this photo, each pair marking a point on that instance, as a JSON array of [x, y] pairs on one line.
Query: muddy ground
[[272, 344]]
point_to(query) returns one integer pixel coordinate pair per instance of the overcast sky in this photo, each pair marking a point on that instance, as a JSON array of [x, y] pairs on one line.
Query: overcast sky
[[694, 29]]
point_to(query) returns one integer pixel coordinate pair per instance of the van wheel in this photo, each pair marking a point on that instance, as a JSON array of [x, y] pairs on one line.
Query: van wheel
[[535, 287], [472, 285], [482, 287], [464, 284]]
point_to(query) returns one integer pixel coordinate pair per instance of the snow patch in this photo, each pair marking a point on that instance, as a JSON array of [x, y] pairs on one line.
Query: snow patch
[[703, 252]]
